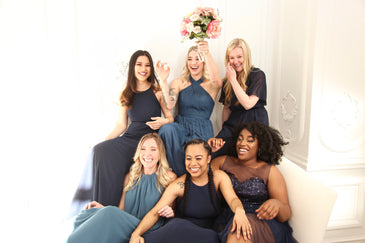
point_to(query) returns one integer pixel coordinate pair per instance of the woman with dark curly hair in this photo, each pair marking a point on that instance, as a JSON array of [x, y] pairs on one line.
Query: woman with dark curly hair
[[257, 182]]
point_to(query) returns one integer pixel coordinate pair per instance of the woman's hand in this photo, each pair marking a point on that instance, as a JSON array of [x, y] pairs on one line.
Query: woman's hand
[[216, 144], [241, 225], [93, 204], [136, 239], [231, 73], [269, 209], [166, 212], [203, 47], [156, 122], [162, 70]]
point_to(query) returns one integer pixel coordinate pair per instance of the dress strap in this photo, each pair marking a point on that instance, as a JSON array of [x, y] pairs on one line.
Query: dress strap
[[197, 82]]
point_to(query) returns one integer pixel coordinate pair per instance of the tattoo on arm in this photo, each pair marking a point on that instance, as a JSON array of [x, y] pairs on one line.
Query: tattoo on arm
[[173, 95], [181, 184]]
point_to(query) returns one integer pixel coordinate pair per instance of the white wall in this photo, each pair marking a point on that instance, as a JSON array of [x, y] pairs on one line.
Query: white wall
[[59, 77]]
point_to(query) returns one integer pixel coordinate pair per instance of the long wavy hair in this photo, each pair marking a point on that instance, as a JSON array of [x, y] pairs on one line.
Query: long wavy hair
[[247, 67], [126, 97], [270, 141], [136, 170], [186, 72], [210, 175]]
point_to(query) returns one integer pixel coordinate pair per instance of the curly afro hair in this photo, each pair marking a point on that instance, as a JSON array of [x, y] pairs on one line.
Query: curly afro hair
[[270, 141]]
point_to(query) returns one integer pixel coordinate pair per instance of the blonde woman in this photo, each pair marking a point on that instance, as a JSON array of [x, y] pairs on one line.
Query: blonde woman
[[243, 93], [143, 187], [194, 94]]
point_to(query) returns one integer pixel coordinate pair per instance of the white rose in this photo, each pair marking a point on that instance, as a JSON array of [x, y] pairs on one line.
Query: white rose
[[197, 29], [194, 17]]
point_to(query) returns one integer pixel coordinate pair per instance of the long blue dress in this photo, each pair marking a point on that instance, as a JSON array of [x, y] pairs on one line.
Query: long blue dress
[[196, 225], [113, 158], [110, 224], [250, 185], [256, 83], [195, 106]]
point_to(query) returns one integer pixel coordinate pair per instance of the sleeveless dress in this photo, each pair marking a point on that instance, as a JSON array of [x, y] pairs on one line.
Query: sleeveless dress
[[197, 223], [250, 185], [195, 106], [113, 158], [256, 83], [110, 224]]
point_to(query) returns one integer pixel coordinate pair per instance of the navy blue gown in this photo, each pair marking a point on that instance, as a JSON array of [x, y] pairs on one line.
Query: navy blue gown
[[113, 158], [195, 106], [250, 185], [256, 83], [196, 225]]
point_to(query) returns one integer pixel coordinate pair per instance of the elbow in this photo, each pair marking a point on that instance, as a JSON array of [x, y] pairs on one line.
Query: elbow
[[248, 106]]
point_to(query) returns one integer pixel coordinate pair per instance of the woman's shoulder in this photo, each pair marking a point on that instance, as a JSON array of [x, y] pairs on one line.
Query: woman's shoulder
[[256, 72]]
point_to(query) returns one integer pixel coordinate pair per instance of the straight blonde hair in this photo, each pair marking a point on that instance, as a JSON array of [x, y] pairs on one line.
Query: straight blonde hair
[[136, 170], [247, 68]]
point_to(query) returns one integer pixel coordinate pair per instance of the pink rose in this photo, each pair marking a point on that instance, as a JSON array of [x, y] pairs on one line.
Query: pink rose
[[214, 29], [184, 27]]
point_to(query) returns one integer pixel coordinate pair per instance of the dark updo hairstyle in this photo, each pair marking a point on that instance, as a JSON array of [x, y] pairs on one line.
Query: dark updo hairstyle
[[270, 141], [210, 175], [126, 98]]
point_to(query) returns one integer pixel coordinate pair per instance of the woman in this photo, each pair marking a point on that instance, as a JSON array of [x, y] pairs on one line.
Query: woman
[[198, 193], [141, 102], [243, 94], [194, 93], [258, 183], [143, 186]]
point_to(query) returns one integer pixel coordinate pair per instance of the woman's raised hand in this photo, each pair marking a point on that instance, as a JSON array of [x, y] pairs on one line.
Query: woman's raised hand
[[162, 70], [216, 144]]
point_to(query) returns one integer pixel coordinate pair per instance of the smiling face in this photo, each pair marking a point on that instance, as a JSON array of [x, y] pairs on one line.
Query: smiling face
[[142, 69], [246, 146], [196, 160], [236, 59], [149, 156], [194, 65]]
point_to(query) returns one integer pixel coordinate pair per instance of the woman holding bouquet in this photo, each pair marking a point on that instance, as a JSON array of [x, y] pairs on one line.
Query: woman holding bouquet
[[143, 186], [194, 94], [141, 101], [243, 93]]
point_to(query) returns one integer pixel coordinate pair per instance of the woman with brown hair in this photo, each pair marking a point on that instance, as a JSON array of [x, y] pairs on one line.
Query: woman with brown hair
[[141, 103]]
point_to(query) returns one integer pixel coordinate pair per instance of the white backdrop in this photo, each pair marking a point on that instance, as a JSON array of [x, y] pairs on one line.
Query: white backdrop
[[59, 73]]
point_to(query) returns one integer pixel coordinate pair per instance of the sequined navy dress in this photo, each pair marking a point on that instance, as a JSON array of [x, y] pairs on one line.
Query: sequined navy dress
[[250, 185]]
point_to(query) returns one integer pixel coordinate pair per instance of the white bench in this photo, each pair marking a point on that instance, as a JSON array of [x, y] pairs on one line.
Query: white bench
[[311, 203]]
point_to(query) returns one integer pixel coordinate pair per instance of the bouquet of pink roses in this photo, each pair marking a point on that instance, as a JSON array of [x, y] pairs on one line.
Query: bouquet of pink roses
[[200, 24]]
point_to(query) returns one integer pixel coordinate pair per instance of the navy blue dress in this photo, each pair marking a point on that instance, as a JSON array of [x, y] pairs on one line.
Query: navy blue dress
[[250, 185], [195, 106], [193, 226], [256, 83], [113, 158]]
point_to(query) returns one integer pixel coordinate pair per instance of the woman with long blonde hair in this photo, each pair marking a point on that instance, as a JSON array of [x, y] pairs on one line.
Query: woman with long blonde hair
[[243, 93], [143, 187], [194, 94]]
